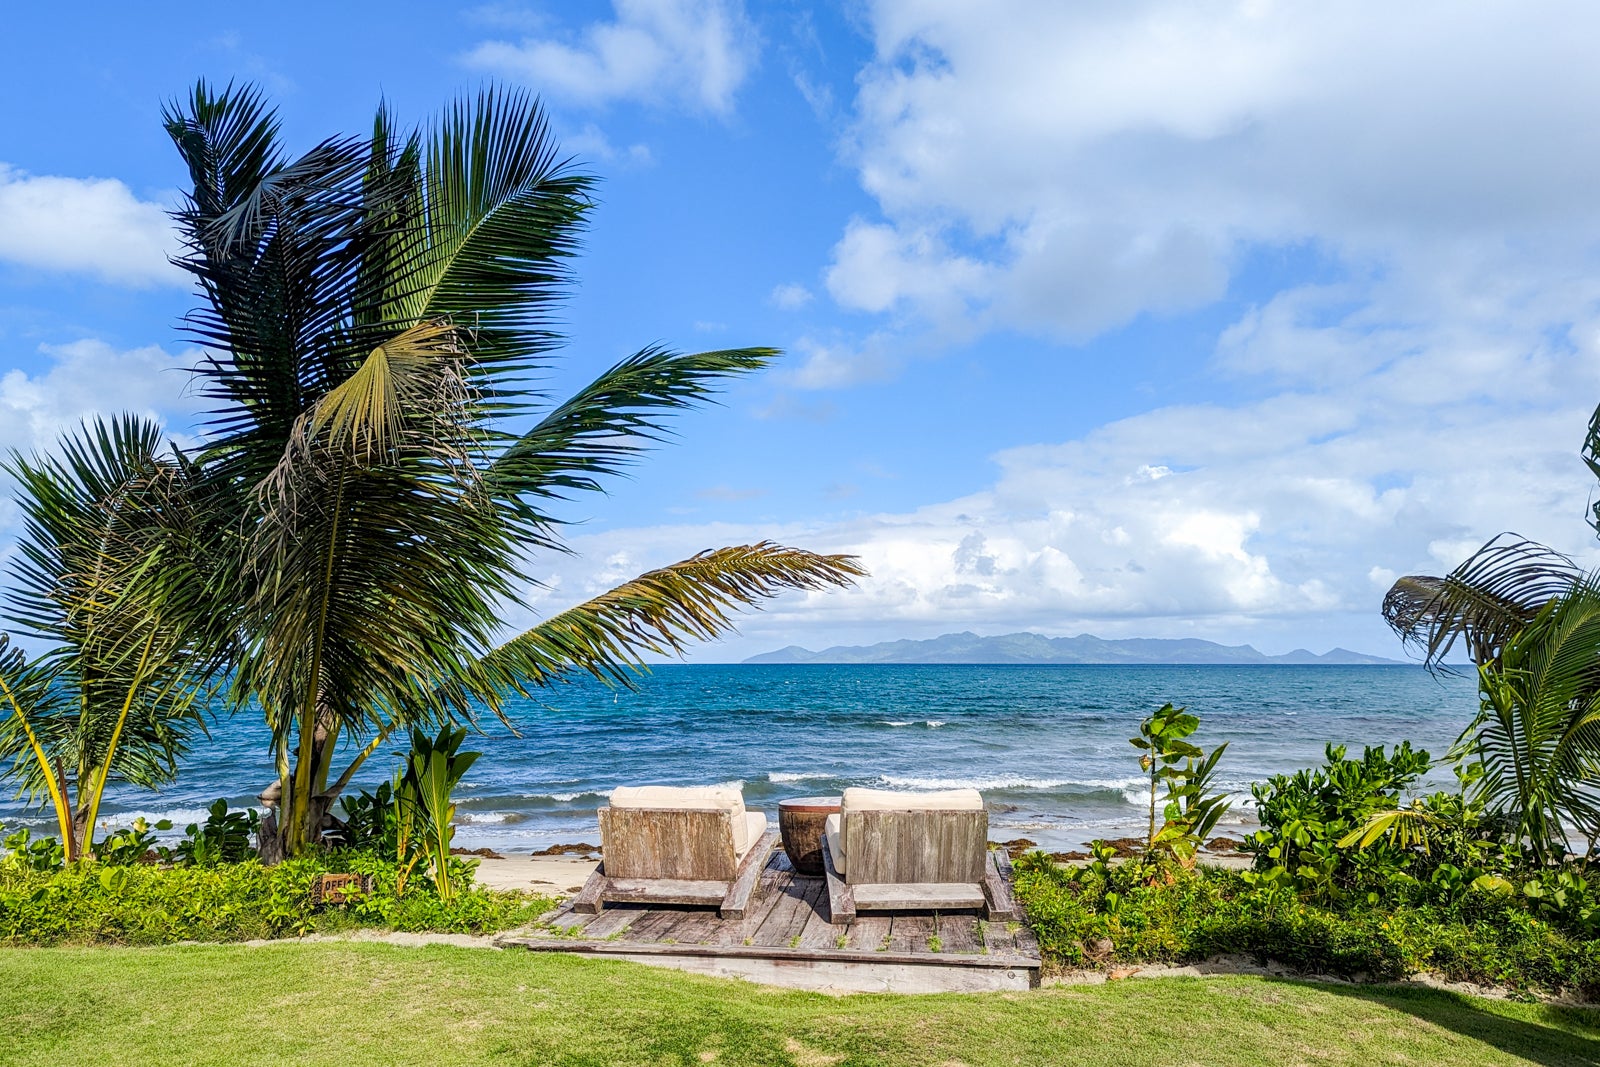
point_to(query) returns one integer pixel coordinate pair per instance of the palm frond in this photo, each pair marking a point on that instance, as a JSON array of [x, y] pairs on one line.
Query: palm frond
[[610, 421], [1481, 603], [1538, 733], [660, 612]]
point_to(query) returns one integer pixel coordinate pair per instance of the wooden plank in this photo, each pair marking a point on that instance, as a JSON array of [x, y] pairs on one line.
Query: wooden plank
[[999, 938], [737, 899], [869, 933], [958, 933], [696, 928], [568, 919], [592, 897], [1002, 906], [613, 922], [819, 933], [841, 901], [908, 935], [651, 925], [915, 846], [687, 844], [855, 976], [788, 914], [664, 891], [918, 896]]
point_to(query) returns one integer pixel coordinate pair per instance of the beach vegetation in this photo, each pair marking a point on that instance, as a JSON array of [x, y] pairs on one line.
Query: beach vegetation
[[425, 823], [1529, 618], [374, 476], [147, 904], [374, 309], [105, 582], [1191, 807]]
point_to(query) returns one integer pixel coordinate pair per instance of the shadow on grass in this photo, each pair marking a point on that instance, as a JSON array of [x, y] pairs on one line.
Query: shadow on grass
[[1554, 1036]]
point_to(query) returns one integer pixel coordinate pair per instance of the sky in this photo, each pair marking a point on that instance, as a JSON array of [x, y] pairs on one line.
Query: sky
[[1192, 319]]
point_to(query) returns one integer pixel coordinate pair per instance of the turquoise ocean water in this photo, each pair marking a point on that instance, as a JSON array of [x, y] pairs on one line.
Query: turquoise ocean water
[[1047, 745]]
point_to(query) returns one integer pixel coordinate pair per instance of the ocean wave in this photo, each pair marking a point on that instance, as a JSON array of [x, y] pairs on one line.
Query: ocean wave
[[566, 798], [931, 724], [782, 777], [489, 818]]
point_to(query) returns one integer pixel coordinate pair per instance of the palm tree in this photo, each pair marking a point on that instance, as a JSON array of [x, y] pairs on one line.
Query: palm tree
[[1538, 730], [374, 311], [107, 580], [1529, 618]]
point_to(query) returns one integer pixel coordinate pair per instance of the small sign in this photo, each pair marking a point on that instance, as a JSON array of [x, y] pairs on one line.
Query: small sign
[[337, 888]]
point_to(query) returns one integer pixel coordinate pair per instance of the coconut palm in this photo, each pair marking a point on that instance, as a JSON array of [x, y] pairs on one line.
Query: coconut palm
[[1495, 592], [374, 312], [1529, 618], [1538, 733], [108, 579]]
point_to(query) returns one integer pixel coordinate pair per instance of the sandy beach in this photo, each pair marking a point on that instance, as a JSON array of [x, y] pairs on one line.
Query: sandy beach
[[555, 875]]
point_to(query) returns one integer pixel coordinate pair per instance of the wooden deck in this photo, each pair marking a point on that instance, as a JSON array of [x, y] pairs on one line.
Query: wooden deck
[[786, 939]]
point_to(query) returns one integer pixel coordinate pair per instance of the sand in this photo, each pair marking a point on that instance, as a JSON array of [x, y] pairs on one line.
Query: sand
[[553, 875]]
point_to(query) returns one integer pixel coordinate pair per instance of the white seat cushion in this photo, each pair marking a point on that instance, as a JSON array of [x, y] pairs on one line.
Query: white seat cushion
[[677, 796], [748, 826], [856, 799], [748, 831], [884, 800]]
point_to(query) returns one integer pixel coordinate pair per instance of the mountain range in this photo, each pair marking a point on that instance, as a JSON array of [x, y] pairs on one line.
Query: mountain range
[[969, 647]]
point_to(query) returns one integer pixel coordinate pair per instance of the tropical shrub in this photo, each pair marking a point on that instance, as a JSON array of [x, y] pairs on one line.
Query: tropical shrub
[[1153, 910], [1305, 815], [95, 903], [1191, 809], [225, 837]]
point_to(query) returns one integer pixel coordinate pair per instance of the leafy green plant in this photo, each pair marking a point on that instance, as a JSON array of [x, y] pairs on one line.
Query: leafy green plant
[[1306, 815], [1191, 809], [25, 852], [223, 838], [105, 578], [1537, 733], [133, 844], [147, 904], [433, 768]]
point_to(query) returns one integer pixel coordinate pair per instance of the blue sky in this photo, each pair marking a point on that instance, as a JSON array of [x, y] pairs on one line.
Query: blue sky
[[1140, 319]]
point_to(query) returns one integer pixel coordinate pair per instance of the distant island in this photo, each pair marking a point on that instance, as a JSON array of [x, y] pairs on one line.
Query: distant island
[[1036, 648]]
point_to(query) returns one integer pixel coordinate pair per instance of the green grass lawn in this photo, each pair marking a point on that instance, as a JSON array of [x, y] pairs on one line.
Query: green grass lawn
[[355, 1004]]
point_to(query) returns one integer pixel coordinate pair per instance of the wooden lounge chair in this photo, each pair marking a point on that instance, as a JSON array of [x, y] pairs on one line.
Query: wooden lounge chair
[[913, 852], [668, 845]]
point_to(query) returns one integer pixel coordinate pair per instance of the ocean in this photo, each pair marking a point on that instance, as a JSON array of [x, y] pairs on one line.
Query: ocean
[[1047, 745]]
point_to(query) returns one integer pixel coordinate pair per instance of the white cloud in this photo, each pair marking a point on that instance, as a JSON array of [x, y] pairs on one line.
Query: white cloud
[[89, 225], [695, 52], [1061, 168], [791, 296], [1280, 521], [90, 377], [590, 143]]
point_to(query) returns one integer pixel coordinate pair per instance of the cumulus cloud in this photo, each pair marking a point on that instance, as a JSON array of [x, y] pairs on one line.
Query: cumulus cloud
[[90, 377], [1061, 168], [95, 226], [1280, 520], [791, 296], [694, 52]]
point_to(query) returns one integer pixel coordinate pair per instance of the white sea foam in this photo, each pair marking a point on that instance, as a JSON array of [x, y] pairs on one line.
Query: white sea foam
[[781, 777], [1015, 782], [932, 724]]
